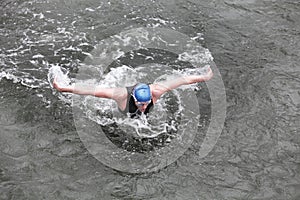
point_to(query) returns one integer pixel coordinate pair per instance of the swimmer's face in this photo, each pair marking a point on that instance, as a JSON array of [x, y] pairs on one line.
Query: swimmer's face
[[142, 105]]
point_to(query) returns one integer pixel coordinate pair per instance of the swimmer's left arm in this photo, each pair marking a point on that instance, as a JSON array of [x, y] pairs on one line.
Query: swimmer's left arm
[[163, 87], [199, 78]]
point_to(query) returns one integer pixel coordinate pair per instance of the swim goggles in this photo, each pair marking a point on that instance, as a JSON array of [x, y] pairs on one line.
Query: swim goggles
[[142, 103]]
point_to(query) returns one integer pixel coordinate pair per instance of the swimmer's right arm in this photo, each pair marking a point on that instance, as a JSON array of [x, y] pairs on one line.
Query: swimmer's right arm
[[96, 91]]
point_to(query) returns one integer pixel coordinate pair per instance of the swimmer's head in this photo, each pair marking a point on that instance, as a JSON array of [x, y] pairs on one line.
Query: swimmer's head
[[142, 93]]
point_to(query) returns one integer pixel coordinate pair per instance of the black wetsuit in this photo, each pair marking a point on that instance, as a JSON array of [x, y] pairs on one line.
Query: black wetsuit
[[131, 108]]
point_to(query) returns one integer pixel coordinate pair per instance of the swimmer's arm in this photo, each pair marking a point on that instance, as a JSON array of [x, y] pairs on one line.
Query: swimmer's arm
[[163, 87], [199, 78], [110, 93]]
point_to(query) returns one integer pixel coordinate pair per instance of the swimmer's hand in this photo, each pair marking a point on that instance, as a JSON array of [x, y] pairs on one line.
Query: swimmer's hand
[[209, 74], [61, 89], [200, 78]]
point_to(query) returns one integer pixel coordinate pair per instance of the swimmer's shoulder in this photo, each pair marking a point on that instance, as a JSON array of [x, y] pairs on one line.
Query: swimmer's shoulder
[[120, 96]]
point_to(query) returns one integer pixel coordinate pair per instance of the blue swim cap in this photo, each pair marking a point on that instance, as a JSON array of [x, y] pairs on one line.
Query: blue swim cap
[[142, 93]]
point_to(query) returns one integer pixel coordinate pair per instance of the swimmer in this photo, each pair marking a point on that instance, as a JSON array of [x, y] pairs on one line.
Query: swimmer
[[139, 98]]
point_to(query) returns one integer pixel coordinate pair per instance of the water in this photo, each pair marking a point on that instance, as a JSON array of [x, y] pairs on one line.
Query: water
[[255, 45]]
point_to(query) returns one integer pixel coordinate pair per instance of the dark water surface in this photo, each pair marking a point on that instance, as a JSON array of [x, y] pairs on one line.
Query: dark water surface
[[256, 47]]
